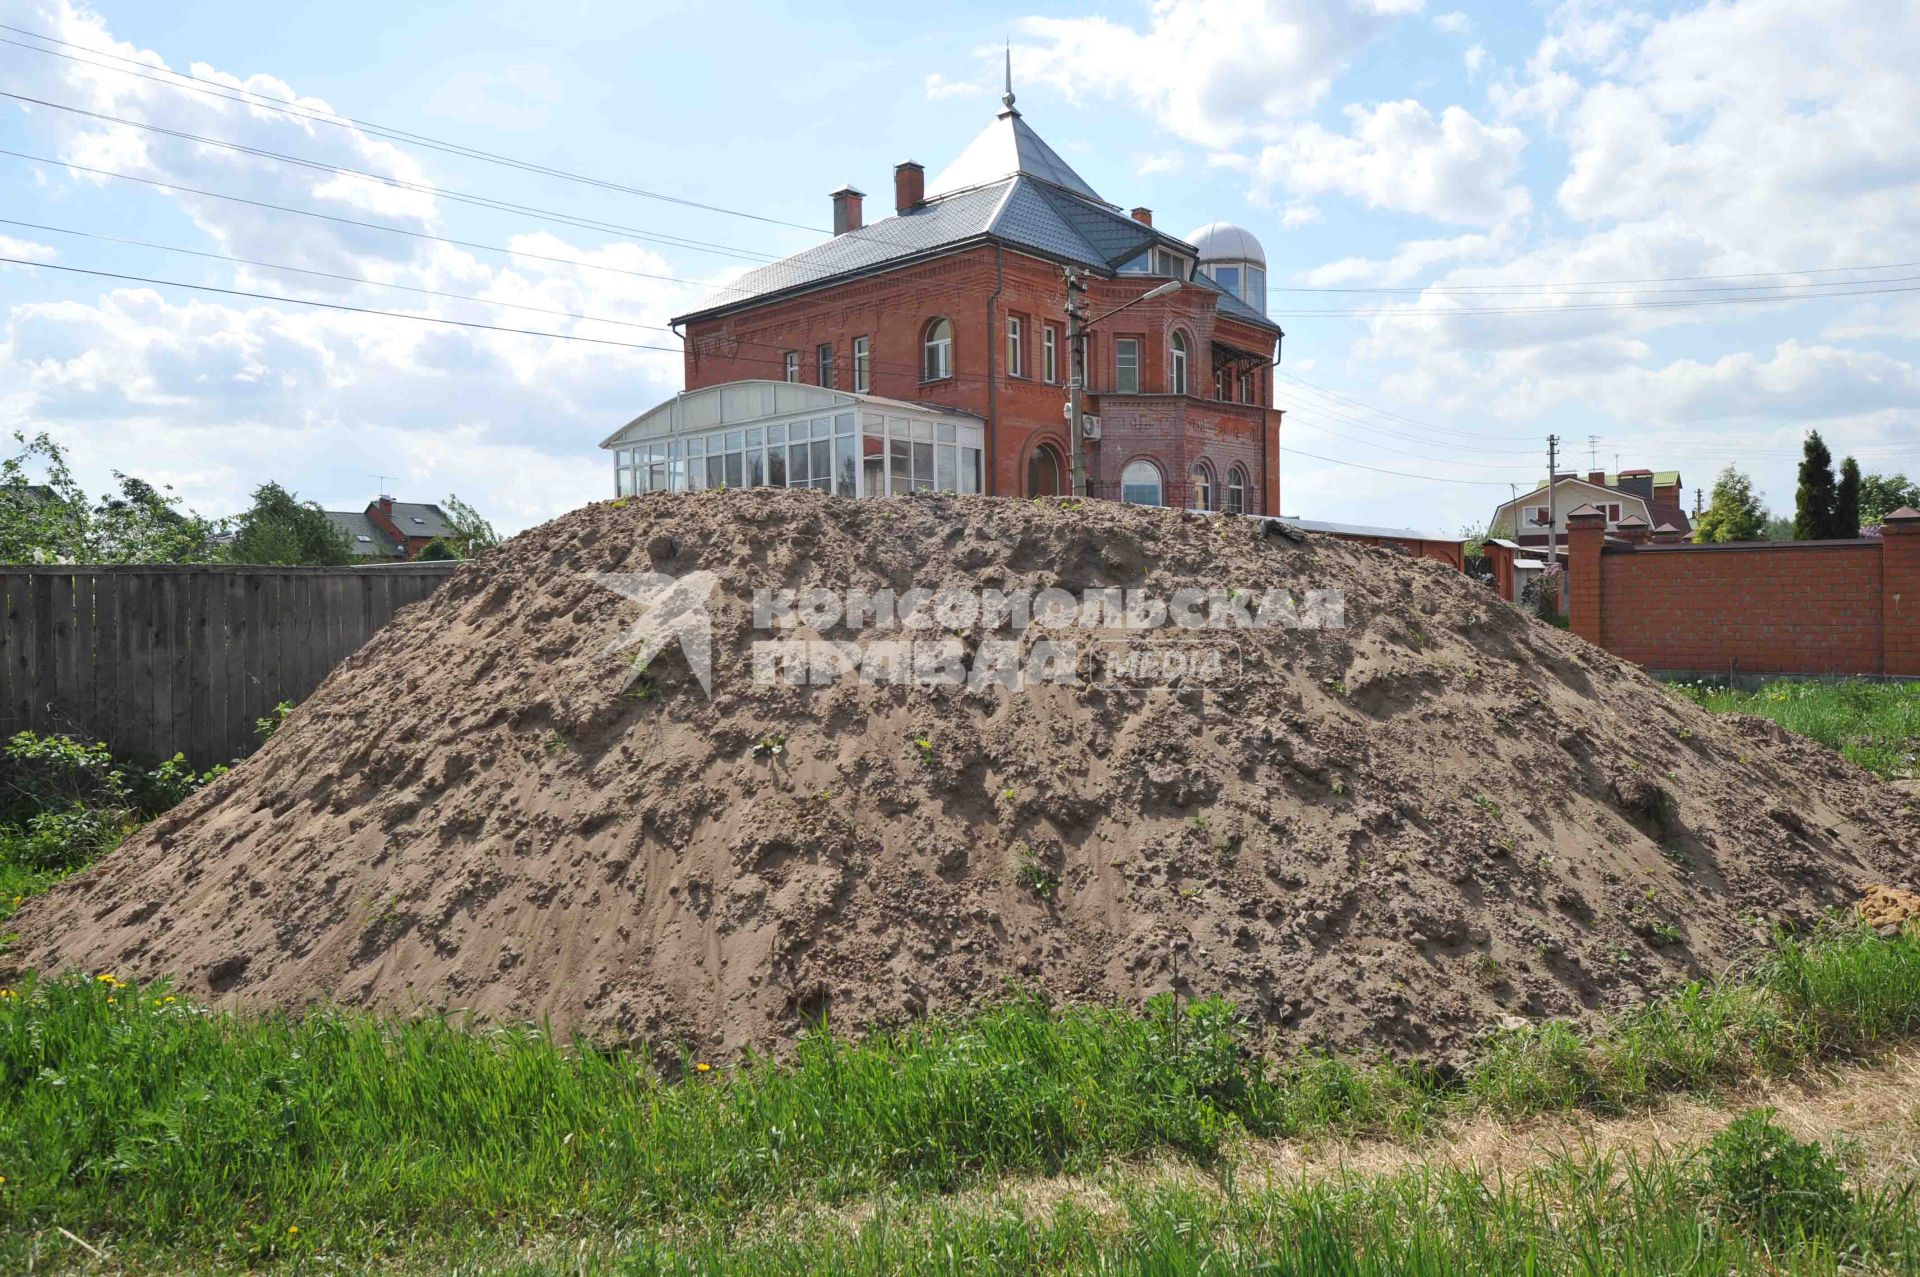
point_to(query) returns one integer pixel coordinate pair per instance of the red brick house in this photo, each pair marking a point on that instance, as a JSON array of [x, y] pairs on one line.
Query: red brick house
[[389, 529], [935, 344]]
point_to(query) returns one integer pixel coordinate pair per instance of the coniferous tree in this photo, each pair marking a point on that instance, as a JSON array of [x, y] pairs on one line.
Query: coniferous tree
[[1846, 500], [1734, 514], [1813, 501]]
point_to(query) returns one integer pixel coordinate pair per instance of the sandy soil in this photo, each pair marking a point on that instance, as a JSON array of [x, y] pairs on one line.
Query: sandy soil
[[1394, 834]]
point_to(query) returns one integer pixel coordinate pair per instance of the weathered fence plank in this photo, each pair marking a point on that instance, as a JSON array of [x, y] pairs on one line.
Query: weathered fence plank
[[182, 659]]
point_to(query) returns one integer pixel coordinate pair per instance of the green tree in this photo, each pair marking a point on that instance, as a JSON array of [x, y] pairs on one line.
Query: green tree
[[436, 550], [1779, 528], [47, 517], [281, 528], [1846, 500], [1734, 514], [1882, 494], [1813, 500], [471, 535]]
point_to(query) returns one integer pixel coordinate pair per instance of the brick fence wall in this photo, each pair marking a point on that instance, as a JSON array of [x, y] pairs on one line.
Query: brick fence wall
[[1807, 607]]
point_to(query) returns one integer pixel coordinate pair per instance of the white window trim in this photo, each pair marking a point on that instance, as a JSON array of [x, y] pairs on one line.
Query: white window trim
[[862, 365], [1015, 365], [929, 345], [790, 366], [1050, 353], [1177, 359]]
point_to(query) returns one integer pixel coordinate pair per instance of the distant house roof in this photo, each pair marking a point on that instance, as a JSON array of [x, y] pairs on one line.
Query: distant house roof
[[1366, 530], [364, 537], [1661, 478], [421, 519], [1007, 187]]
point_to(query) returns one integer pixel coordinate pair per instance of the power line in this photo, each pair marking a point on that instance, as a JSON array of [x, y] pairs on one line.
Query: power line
[[1603, 284], [372, 226], [247, 97], [1477, 483], [1383, 412], [479, 201], [326, 305], [1310, 424], [1425, 313]]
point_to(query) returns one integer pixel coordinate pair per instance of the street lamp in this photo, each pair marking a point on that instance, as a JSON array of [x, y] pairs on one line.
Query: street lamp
[[1077, 327]]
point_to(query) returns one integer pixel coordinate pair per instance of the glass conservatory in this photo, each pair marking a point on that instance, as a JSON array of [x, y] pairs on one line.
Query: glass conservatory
[[750, 434]]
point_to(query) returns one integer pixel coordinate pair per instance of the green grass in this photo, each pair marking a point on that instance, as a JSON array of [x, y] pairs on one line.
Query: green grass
[[171, 1130], [1876, 725]]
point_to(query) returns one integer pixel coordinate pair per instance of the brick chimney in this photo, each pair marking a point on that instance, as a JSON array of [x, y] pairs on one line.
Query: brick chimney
[[909, 186], [846, 210], [1598, 478], [1144, 216], [386, 506]]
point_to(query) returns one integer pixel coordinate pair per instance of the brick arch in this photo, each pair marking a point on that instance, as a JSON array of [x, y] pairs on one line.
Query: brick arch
[[1057, 444], [1152, 459], [1181, 327], [1213, 483], [953, 344]]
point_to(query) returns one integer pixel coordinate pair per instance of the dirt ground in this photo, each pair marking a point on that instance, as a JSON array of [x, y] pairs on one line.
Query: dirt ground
[[1391, 834]]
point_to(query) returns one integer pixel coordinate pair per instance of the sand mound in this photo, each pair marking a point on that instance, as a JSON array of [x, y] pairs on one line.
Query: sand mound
[[1396, 833]]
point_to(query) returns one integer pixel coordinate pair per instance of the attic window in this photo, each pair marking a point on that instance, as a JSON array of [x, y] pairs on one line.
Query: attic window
[[363, 537], [418, 519]]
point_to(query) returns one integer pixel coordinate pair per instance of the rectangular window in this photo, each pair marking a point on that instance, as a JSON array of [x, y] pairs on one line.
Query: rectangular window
[[1126, 365], [862, 364], [900, 459], [823, 363], [1050, 353], [777, 463], [1613, 513], [1219, 383], [969, 470], [797, 471], [843, 466], [1014, 367], [790, 365]]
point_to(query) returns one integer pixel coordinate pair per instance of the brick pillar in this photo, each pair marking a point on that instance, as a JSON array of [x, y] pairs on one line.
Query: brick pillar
[[1900, 592], [1586, 531], [1634, 529]]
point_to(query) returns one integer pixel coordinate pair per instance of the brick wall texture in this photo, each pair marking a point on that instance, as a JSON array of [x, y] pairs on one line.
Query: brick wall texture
[[1824, 607]]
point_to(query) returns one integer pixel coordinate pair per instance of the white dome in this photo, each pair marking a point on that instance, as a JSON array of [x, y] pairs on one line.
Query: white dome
[[1225, 242]]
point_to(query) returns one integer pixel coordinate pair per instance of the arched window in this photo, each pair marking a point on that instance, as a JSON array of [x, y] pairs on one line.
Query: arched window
[[938, 351], [1177, 369], [1045, 474], [1236, 490], [1201, 481], [1140, 484]]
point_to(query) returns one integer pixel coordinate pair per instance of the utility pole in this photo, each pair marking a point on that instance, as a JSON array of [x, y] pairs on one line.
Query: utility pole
[[1699, 503], [1593, 446], [1076, 377], [1553, 474]]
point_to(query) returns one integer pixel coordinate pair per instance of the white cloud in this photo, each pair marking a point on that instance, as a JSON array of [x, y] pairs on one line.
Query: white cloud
[[1399, 156], [939, 88], [217, 396], [1153, 163], [1209, 71], [1454, 23], [26, 249], [1475, 59]]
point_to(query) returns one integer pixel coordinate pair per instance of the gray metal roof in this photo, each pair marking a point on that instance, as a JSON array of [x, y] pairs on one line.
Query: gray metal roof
[[421, 519], [1366, 530], [1005, 147], [1018, 210], [364, 537]]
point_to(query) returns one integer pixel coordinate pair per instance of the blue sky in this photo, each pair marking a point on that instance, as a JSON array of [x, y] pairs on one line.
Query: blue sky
[[1551, 157]]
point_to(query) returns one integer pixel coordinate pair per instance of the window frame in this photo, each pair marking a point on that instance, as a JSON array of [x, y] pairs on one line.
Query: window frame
[[863, 365], [1126, 345], [929, 344], [1236, 493], [823, 365], [1179, 356], [1050, 353], [1200, 487], [790, 367], [1159, 482], [1016, 347]]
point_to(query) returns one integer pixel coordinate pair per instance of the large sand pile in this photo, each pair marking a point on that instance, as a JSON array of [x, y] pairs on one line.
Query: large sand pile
[[1394, 834]]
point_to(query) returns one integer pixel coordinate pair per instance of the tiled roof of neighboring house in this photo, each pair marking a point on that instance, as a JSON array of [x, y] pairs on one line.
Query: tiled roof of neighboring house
[[1024, 209], [364, 536], [421, 519], [1661, 478]]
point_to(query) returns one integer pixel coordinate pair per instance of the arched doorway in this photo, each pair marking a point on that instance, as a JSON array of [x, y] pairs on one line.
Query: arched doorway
[[1046, 475]]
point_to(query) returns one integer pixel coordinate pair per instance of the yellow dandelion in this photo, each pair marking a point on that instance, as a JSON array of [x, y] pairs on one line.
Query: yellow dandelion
[[704, 1067], [168, 998], [105, 977], [293, 1230], [111, 1001]]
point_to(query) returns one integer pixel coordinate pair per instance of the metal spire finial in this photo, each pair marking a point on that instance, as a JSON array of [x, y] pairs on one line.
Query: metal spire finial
[[1006, 99]]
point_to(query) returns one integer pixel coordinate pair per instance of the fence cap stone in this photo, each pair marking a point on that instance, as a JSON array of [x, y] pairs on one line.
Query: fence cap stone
[[1906, 518], [1586, 515]]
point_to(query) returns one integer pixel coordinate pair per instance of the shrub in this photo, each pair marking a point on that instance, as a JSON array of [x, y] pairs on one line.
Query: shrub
[[1776, 1186]]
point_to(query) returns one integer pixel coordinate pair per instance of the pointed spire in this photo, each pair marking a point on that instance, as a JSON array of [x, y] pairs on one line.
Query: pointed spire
[[1006, 99]]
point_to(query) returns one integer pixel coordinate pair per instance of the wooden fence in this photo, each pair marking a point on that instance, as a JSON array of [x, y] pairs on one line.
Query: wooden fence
[[159, 660]]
